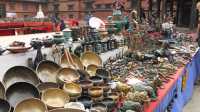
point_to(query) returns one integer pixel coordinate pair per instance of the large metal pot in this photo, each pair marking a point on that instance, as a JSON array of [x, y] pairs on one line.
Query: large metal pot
[[90, 58], [2, 91], [21, 91], [4, 106], [47, 71], [20, 74], [31, 105], [55, 98]]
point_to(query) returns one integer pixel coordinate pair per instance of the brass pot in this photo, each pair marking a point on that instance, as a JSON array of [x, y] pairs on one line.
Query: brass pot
[[34, 105], [91, 69], [20, 74], [47, 71], [64, 63], [90, 58], [2, 91], [66, 110], [55, 98], [85, 84], [73, 89], [4, 106], [67, 75], [21, 91], [95, 91], [43, 86], [96, 80]]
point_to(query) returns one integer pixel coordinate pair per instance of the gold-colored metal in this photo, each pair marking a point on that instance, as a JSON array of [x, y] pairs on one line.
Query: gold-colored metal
[[95, 91], [31, 105], [66, 110], [91, 69], [55, 98], [91, 58], [76, 60], [43, 86], [73, 89], [67, 75], [47, 71], [20, 74], [2, 91], [21, 91], [113, 95], [4, 106]]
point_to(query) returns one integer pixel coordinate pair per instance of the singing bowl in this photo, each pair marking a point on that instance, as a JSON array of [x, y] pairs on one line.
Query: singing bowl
[[91, 69], [113, 95], [4, 106], [96, 80], [99, 107], [109, 102], [55, 98], [2, 91], [21, 91], [67, 75], [31, 105], [66, 110], [73, 89], [86, 100], [43, 86], [83, 74], [47, 71], [20, 74], [64, 63], [95, 91], [90, 58], [103, 73], [85, 84]]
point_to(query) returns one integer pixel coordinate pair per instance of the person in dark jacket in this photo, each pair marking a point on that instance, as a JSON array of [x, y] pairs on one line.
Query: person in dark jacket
[[62, 25]]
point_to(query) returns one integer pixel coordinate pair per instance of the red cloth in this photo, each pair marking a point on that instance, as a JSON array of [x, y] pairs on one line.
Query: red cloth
[[162, 92]]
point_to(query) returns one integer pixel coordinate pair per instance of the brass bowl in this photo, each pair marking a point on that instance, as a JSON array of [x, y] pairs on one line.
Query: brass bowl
[[95, 91], [31, 105], [73, 89], [21, 91], [4, 106], [113, 95], [43, 86], [66, 110], [55, 98], [90, 58], [103, 73], [47, 71], [64, 63], [99, 107], [83, 74], [20, 74], [96, 80], [2, 91], [106, 87], [91, 69], [67, 75], [85, 84]]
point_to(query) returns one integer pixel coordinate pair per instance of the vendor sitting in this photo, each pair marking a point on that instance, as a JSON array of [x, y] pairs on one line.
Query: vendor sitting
[[167, 28]]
